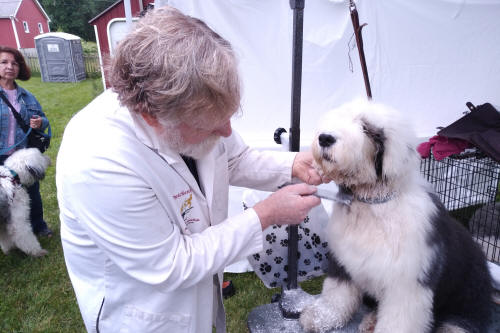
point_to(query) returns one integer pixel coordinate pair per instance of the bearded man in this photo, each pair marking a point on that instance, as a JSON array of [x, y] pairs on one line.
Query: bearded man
[[143, 176]]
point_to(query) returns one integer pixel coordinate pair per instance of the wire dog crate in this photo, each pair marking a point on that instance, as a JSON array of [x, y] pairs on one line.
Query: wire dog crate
[[468, 185]]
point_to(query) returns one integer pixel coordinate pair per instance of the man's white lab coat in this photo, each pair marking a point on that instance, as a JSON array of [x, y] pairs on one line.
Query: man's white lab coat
[[134, 223]]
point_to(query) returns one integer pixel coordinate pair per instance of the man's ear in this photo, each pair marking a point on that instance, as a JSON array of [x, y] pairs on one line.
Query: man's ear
[[150, 120]]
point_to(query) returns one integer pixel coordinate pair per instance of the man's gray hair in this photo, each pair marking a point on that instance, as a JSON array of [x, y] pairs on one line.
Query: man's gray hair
[[175, 68]]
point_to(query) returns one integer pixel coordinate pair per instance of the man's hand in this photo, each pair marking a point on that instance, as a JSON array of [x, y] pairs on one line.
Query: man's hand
[[303, 168], [289, 205]]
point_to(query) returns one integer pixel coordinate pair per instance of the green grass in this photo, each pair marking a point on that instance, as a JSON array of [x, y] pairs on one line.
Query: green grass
[[89, 47], [36, 294]]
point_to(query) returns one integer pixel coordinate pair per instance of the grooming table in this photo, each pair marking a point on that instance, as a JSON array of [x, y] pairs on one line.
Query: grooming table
[[268, 318]]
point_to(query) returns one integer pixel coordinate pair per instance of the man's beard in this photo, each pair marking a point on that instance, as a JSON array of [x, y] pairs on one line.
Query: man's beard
[[171, 136]]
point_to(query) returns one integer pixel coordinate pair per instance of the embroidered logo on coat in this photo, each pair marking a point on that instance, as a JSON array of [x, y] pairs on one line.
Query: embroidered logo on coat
[[186, 206]]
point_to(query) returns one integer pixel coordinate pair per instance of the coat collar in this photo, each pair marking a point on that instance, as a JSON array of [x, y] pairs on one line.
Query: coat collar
[[147, 135]]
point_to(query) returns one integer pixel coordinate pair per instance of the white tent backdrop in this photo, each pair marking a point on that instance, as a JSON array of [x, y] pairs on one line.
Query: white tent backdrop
[[426, 58]]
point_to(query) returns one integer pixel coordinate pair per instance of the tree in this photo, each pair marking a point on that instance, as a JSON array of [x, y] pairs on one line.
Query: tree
[[72, 16]]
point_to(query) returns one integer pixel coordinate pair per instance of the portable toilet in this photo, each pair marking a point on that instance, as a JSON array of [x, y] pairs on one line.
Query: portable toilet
[[60, 56]]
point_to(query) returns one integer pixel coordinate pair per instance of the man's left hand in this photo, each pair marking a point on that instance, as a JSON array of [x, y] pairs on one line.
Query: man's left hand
[[303, 168]]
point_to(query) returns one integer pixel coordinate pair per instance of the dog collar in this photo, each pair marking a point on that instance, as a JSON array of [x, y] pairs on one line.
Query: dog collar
[[379, 200], [15, 177], [346, 197]]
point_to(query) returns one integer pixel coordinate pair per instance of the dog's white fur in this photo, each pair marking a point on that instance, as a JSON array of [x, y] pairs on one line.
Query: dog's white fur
[[385, 249], [15, 227]]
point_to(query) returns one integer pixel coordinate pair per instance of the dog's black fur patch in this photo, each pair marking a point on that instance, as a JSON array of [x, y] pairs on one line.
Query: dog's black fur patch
[[4, 208], [378, 137], [336, 270], [38, 174], [458, 276]]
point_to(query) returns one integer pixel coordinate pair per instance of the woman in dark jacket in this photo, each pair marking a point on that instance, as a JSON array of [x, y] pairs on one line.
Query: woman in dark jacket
[[12, 67]]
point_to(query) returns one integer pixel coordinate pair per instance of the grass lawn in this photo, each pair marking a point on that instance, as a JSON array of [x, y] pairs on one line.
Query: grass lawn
[[36, 294]]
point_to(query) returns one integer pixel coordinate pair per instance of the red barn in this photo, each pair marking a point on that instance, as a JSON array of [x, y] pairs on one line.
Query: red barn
[[103, 21], [21, 21]]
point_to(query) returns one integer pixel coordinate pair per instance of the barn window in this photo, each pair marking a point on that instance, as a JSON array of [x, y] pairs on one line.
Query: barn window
[[40, 28], [25, 25]]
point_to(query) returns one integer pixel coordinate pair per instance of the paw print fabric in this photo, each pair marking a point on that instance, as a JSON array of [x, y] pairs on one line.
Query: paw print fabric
[[271, 265]]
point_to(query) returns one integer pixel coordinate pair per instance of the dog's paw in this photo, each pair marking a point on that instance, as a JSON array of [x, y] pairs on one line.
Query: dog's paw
[[6, 245], [318, 317], [40, 253], [368, 323]]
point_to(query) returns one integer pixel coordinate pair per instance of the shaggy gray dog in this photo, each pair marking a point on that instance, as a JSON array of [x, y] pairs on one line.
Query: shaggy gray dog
[[394, 242], [20, 170]]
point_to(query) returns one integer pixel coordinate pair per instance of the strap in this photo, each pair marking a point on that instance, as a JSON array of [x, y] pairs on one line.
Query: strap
[[21, 123], [4, 151], [359, 42], [19, 120], [27, 129]]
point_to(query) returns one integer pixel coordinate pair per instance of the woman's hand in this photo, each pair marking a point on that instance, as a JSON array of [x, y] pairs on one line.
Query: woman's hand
[[36, 122]]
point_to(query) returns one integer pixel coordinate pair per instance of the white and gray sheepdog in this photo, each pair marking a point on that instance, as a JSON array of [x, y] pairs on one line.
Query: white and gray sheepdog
[[394, 243], [20, 170]]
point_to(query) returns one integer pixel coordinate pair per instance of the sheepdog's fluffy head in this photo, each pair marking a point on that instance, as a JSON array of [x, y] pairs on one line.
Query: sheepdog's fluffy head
[[30, 164], [364, 146]]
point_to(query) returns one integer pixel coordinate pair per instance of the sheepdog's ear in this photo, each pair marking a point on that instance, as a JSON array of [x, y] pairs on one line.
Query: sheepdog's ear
[[4, 207], [377, 136], [38, 171], [394, 139]]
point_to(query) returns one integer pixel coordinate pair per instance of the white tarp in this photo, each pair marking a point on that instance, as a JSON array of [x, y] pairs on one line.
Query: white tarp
[[426, 58]]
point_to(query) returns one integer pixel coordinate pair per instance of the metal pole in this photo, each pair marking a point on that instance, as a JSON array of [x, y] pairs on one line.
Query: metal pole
[[276, 316], [128, 14], [298, 19]]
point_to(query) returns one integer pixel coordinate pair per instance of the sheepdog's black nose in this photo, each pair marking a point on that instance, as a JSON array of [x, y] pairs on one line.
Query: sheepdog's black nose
[[326, 140]]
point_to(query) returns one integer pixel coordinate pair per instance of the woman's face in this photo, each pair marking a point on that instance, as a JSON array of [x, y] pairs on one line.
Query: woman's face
[[9, 68]]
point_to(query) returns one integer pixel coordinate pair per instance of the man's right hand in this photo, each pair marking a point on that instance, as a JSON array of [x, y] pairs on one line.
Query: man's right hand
[[289, 205]]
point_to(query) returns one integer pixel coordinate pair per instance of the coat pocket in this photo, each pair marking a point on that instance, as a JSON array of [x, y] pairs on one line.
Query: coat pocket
[[136, 320]]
